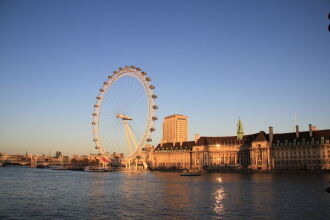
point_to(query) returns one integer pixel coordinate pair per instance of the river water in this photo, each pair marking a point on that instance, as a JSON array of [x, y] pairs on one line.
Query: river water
[[27, 193]]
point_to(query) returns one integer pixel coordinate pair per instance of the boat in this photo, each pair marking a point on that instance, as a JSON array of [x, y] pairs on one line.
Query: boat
[[95, 169], [41, 166], [191, 173], [58, 168]]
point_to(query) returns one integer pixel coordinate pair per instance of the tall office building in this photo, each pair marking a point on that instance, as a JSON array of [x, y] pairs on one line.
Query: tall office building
[[175, 128]]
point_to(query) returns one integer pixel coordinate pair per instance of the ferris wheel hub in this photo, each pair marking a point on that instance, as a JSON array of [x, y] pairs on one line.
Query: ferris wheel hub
[[124, 117]]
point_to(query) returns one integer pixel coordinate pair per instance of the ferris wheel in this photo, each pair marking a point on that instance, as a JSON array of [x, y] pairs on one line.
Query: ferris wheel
[[124, 113]]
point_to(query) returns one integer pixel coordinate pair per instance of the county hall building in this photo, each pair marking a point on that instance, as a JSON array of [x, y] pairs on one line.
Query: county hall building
[[306, 150]]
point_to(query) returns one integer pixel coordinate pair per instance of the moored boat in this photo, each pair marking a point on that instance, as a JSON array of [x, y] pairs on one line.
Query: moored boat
[[191, 173], [58, 168], [95, 169], [42, 166]]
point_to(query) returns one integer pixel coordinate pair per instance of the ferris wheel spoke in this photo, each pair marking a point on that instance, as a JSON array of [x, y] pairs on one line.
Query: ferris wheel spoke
[[138, 112], [136, 105], [135, 94], [138, 94], [107, 137]]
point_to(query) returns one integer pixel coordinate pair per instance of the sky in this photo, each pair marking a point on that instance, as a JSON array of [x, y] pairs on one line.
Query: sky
[[214, 61]]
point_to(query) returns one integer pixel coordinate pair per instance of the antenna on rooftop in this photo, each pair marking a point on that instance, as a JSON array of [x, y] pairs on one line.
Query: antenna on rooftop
[[295, 120]]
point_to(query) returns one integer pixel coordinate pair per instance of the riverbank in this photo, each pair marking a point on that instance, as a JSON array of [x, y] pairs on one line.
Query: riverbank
[[246, 171], [223, 170]]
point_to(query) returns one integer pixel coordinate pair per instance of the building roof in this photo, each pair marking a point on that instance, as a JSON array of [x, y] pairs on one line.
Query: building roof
[[262, 136], [186, 145], [247, 139], [227, 140], [302, 135], [176, 115]]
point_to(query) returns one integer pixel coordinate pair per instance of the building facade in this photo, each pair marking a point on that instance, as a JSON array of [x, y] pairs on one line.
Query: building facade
[[175, 129], [307, 150], [297, 150]]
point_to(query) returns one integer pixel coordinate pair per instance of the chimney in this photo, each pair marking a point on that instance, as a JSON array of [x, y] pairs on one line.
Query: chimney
[[197, 136], [271, 134], [310, 130], [297, 131]]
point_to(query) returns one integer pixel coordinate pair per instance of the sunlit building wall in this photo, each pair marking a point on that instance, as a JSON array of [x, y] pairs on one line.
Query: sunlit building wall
[[175, 128], [307, 150]]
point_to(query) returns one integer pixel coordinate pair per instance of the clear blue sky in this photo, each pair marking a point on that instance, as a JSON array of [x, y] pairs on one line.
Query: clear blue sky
[[213, 61]]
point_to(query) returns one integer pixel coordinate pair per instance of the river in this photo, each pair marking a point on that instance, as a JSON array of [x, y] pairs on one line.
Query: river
[[28, 193]]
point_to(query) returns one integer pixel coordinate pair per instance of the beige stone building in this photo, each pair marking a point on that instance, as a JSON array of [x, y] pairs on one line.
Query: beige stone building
[[295, 151], [308, 150], [175, 129]]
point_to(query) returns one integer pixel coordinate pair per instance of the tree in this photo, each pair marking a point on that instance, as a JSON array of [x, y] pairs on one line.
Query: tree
[[58, 154]]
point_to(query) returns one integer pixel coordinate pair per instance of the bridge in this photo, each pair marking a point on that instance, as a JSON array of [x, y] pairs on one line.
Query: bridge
[[31, 163]]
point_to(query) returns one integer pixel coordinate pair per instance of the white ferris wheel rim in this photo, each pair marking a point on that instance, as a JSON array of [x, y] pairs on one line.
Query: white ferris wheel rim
[[136, 73]]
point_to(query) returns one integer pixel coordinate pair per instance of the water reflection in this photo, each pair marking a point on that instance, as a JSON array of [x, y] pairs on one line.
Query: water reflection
[[219, 197], [262, 195], [177, 194]]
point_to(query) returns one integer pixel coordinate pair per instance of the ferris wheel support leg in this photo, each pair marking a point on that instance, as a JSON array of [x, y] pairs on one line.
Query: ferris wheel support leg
[[127, 136], [145, 165], [132, 137]]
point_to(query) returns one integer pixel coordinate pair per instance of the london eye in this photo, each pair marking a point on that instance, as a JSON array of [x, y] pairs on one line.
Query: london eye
[[124, 116]]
